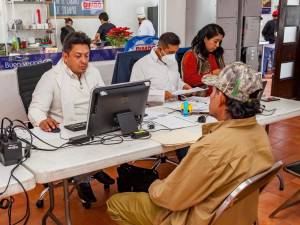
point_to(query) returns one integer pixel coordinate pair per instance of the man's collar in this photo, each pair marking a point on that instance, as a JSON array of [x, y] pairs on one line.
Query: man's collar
[[69, 71], [211, 127], [155, 57]]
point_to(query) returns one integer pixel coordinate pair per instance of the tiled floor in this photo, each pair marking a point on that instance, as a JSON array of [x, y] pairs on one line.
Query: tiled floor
[[285, 139]]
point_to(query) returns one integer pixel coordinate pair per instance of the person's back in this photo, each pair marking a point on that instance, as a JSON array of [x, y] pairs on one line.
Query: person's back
[[230, 151], [104, 28], [67, 29], [146, 28], [145, 25], [227, 160], [270, 29]]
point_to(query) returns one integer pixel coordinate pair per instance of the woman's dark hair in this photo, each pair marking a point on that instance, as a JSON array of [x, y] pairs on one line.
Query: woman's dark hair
[[75, 38], [168, 38], [242, 110], [103, 16], [209, 31]]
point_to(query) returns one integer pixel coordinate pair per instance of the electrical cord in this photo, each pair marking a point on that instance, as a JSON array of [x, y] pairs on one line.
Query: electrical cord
[[10, 133], [269, 112]]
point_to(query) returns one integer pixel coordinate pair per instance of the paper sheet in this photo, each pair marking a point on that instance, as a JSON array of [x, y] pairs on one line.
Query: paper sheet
[[173, 122], [183, 92]]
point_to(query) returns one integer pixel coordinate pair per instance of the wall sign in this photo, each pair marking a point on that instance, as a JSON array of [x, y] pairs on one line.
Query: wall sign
[[73, 8], [266, 7]]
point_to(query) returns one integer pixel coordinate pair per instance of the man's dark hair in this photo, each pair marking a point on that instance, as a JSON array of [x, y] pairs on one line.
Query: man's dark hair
[[242, 110], [209, 31], [168, 38], [75, 38], [68, 19], [103, 16]]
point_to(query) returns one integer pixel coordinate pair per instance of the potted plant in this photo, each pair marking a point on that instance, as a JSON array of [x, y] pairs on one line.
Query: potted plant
[[118, 36]]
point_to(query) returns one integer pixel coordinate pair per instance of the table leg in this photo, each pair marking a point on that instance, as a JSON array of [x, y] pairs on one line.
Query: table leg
[[67, 202], [49, 213]]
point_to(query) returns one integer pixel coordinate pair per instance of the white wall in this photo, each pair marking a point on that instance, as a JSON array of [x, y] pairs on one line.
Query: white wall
[[198, 14], [121, 12], [172, 17]]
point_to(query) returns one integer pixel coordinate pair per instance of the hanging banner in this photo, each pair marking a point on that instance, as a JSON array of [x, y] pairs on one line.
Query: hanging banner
[[12, 62], [76, 8], [141, 43]]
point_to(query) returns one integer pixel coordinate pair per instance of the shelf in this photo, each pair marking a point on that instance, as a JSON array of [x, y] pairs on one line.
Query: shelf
[[27, 2], [12, 30]]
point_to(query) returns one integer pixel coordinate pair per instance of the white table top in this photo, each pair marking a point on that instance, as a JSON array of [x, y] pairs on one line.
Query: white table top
[[25, 177], [285, 109], [72, 161]]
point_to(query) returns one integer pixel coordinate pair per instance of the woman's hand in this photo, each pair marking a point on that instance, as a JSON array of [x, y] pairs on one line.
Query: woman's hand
[[216, 72]]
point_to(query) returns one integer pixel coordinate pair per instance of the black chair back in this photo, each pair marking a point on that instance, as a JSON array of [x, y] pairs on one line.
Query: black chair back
[[28, 77], [124, 65], [179, 56]]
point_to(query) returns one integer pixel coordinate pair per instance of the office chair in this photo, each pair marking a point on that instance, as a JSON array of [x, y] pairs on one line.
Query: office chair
[[28, 77], [124, 64], [292, 168], [179, 56], [245, 196]]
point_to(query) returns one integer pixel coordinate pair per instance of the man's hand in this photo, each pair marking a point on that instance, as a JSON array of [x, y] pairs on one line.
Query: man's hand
[[48, 124], [168, 95], [216, 72], [186, 87]]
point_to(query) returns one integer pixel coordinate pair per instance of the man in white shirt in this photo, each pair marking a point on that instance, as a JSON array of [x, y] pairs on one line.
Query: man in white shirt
[[145, 26], [161, 68], [62, 96]]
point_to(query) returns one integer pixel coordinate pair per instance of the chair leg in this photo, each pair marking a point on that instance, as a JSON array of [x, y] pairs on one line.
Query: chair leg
[[293, 200], [281, 181]]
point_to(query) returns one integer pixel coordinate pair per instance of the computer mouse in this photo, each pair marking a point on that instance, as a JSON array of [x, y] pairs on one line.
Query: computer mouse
[[55, 130], [201, 119]]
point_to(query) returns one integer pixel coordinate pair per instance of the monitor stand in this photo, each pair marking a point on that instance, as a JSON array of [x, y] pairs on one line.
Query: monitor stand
[[127, 123]]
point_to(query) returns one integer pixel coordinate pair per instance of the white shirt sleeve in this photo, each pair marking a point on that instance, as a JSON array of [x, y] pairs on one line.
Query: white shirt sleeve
[[41, 100], [180, 84], [155, 95]]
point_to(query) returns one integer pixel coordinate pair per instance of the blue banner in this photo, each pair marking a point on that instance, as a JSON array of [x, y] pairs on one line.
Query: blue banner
[[73, 8], [141, 43], [11, 62]]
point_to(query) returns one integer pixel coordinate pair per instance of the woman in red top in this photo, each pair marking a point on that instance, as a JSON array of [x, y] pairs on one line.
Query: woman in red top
[[205, 56]]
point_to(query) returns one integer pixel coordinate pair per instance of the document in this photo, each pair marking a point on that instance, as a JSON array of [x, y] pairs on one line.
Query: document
[[183, 92], [173, 122]]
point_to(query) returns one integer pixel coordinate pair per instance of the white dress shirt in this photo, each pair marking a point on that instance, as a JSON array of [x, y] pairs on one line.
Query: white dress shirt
[[163, 77], [61, 95], [146, 28]]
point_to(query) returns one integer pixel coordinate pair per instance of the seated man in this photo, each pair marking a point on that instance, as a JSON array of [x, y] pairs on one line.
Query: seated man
[[62, 96], [229, 152], [161, 68]]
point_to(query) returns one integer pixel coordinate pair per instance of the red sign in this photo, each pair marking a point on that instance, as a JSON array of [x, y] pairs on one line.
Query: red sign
[[92, 5]]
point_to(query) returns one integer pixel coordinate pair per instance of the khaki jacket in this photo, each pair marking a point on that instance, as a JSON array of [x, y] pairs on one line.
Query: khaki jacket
[[228, 153]]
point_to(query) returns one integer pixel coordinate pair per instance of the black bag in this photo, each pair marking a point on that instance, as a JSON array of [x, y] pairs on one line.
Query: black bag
[[135, 179]]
